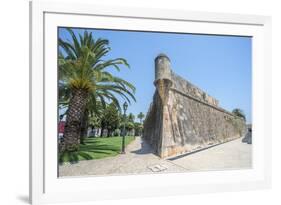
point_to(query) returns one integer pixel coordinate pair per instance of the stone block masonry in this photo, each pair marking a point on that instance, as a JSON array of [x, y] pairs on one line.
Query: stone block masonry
[[182, 118]]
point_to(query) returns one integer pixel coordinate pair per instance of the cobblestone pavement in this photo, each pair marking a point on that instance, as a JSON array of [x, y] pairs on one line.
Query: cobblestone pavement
[[140, 160]]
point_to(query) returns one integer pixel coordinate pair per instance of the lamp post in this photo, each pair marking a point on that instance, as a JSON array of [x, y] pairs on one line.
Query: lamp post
[[61, 117], [125, 106]]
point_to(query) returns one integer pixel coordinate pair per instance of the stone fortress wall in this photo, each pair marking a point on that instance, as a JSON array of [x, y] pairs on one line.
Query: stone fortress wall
[[182, 118]]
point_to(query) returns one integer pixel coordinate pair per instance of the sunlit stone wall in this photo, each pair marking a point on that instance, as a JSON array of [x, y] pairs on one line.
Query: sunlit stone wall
[[182, 118]]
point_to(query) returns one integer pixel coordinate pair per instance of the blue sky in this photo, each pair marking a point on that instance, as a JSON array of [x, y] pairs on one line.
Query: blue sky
[[219, 65]]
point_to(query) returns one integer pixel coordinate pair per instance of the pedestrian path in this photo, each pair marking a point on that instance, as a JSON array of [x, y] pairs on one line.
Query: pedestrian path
[[231, 155], [139, 159]]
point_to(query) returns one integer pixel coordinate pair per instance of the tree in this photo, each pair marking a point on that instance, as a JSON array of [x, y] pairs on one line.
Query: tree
[[131, 118], [84, 124], [111, 118], [138, 128], [129, 126], [238, 112], [140, 116], [94, 121], [82, 74], [93, 107]]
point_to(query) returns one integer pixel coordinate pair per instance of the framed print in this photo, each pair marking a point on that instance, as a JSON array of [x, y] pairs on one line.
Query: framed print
[[129, 102]]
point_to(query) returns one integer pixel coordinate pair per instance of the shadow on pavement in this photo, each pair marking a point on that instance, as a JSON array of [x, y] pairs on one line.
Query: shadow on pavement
[[248, 137], [24, 199], [145, 149]]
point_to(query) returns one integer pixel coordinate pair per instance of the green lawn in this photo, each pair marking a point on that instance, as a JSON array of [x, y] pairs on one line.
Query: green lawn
[[96, 148]]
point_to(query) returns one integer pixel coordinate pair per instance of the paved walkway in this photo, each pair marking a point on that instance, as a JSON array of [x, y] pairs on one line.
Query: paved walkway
[[230, 155], [139, 159]]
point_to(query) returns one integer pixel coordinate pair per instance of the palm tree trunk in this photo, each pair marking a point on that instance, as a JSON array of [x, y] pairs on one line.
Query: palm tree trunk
[[84, 126], [74, 116]]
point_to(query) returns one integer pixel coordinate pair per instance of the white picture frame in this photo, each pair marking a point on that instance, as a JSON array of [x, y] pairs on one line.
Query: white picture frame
[[46, 187]]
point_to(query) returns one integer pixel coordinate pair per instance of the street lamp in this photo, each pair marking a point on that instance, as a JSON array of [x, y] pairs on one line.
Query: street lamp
[[61, 117], [125, 106]]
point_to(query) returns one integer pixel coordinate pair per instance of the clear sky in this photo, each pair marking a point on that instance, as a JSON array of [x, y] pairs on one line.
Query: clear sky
[[219, 65]]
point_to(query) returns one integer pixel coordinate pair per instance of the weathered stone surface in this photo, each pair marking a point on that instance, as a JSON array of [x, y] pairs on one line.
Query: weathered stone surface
[[182, 118]]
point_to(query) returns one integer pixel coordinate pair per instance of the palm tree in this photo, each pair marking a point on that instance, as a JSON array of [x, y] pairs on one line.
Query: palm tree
[[131, 117], [83, 77], [140, 116]]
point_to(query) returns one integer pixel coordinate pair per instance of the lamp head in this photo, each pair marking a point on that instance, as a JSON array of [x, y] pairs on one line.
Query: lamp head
[[61, 116]]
